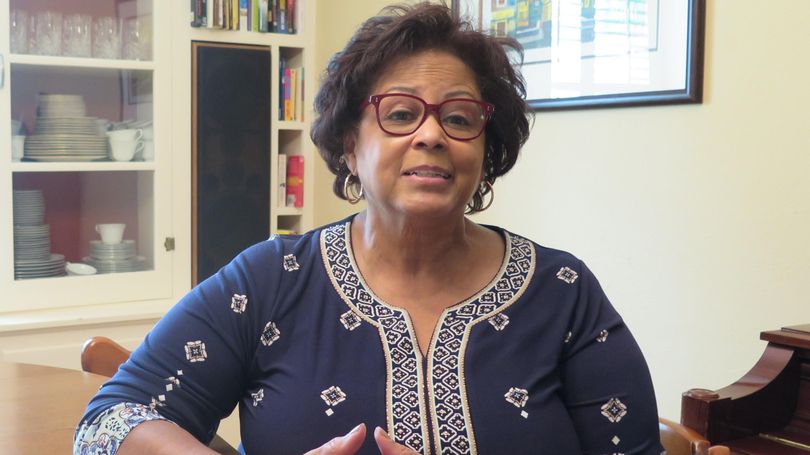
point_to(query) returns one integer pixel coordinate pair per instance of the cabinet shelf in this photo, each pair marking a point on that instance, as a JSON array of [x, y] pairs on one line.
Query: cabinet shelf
[[290, 125], [243, 37], [76, 62], [82, 167], [289, 211]]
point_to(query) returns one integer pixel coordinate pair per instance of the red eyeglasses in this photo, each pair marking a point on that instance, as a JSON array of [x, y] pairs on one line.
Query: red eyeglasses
[[400, 114]]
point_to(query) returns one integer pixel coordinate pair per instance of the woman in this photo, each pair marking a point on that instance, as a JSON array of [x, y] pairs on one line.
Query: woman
[[443, 335]]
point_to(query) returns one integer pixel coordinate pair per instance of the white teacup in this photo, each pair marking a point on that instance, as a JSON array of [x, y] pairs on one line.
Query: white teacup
[[17, 147], [125, 150], [111, 233], [125, 135], [148, 151]]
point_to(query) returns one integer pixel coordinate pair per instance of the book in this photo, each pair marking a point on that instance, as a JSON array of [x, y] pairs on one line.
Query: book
[[244, 16], [287, 93], [299, 96], [282, 180], [295, 181], [293, 93]]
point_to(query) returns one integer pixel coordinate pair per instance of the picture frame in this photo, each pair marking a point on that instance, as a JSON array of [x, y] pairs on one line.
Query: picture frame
[[600, 53]]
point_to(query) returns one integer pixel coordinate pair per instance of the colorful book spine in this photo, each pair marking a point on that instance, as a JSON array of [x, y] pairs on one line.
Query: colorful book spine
[[295, 181], [287, 94]]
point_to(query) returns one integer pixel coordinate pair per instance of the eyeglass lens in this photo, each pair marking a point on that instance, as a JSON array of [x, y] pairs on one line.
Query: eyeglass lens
[[403, 115]]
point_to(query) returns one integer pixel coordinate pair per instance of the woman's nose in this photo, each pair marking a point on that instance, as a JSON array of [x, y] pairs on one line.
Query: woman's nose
[[430, 133]]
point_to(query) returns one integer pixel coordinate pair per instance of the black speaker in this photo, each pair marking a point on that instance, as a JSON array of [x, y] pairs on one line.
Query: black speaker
[[231, 98]]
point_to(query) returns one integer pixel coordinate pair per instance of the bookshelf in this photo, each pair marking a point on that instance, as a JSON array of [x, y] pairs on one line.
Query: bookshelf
[[287, 137]]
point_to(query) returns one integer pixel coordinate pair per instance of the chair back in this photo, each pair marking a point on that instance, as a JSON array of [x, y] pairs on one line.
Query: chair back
[[101, 355], [679, 439]]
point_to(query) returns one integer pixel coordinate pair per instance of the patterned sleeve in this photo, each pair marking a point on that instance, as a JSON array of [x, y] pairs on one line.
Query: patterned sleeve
[[192, 367], [107, 431], [606, 382]]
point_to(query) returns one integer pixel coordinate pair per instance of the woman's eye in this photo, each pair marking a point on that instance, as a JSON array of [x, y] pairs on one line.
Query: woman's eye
[[400, 116], [456, 120]]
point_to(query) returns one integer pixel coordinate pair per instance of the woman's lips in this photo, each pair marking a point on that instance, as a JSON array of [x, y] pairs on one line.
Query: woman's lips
[[428, 172]]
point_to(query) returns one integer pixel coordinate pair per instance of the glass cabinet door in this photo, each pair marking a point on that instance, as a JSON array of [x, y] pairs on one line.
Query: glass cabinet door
[[86, 186]]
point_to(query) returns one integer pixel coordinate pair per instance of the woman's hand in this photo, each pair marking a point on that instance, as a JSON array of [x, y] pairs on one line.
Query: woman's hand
[[347, 444], [387, 445]]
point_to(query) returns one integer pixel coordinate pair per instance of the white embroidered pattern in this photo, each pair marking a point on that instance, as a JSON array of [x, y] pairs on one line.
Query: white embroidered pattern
[[405, 407], [290, 263], [257, 396], [614, 410], [517, 396], [602, 336], [567, 338], [173, 381], [568, 275], [350, 320], [499, 321], [195, 351], [157, 402], [270, 334], [239, 303], [332, 397], [447, 392], [616, 440], [447, 375]]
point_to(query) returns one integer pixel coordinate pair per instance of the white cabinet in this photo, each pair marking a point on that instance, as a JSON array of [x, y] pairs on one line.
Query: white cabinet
[[72, 71], [139, 77]]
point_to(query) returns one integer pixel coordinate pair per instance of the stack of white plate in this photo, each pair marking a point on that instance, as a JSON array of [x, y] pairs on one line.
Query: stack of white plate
[[67, 125], [32, 243], [64, 133], [29, 207], [61, 106], [114, 258], [32, 238], [54, 265], [65, 147]]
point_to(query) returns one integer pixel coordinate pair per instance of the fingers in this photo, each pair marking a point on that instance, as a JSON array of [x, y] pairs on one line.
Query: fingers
[[387, 446], [347, 444]]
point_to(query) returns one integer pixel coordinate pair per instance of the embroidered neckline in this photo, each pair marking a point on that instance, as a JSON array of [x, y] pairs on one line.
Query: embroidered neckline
[[407, 420]]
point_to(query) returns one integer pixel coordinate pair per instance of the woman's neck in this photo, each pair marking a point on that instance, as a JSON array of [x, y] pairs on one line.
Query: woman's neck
[[412, 247]]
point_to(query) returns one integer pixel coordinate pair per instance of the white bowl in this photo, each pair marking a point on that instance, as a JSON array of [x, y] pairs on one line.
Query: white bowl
[[77, 268]]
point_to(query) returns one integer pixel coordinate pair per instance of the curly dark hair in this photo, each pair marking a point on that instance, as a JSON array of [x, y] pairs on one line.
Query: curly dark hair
[[403, 30]]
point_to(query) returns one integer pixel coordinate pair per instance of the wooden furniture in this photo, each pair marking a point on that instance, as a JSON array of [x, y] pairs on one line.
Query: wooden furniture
[[101, 355], [767, 411], [680, 440], [40, 406]]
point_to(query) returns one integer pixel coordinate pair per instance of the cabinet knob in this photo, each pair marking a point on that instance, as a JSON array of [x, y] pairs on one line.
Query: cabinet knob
[[169, 244]]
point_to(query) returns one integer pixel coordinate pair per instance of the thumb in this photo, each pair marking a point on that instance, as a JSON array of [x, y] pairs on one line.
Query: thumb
[[387, 445], [347, 444]]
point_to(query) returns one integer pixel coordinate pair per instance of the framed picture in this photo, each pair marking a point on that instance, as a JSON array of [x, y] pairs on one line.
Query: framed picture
[[600, 53]]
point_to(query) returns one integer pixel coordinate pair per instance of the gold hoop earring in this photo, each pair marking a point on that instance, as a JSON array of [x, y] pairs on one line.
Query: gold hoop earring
[[486, 183], [354, 198], [491, 195]]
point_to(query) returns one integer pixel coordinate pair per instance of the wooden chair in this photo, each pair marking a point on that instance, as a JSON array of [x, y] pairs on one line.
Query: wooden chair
[[679, 439], [103, 356]]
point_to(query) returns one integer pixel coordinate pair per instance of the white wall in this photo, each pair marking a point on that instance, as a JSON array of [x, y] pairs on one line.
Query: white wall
[[695, 218]]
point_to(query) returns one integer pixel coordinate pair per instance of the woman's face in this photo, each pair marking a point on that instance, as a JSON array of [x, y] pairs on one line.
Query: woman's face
[[425, 173]]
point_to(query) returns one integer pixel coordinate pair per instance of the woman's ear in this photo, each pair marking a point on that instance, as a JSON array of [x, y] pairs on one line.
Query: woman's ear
[[348, 152]]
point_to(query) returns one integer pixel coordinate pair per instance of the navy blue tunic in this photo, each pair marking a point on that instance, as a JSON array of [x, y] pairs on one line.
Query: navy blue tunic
[[537, 362]]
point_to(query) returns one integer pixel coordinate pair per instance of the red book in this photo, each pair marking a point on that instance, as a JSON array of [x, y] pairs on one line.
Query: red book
[[295, 181]]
